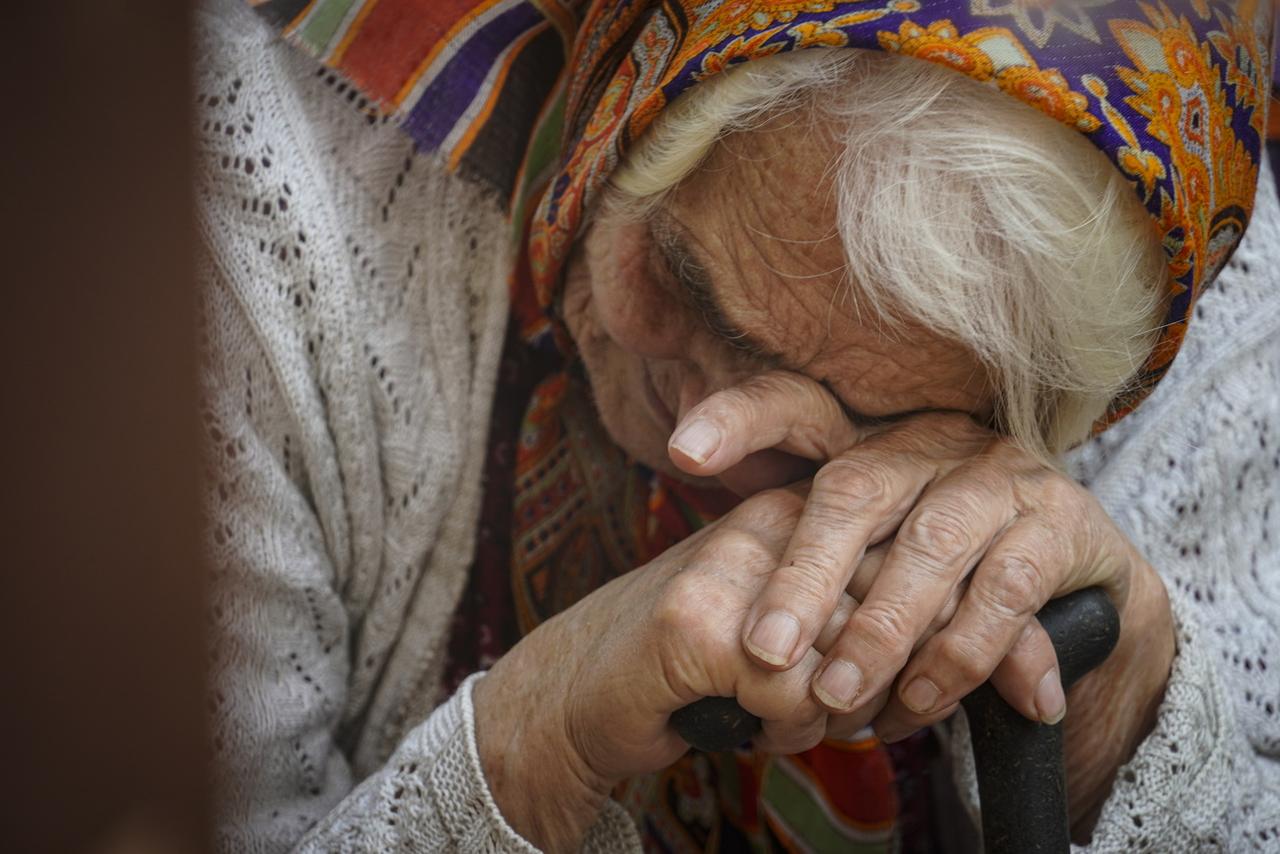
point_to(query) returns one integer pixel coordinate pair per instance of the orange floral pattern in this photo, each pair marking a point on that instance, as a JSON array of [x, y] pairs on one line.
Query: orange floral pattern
[[994, 54]]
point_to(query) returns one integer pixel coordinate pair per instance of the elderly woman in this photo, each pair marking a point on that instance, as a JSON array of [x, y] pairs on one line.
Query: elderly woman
[[755, 353]]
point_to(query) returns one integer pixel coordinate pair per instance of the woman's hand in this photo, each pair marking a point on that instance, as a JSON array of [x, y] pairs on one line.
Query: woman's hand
[[583, 701], [980, 536]]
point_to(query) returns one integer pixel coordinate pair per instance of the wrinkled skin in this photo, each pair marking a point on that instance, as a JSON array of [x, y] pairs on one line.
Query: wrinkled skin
[[902, 567], [776, 269]]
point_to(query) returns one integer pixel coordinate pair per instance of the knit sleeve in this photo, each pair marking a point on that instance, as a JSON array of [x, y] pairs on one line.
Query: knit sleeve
[[350, 352], [1194, 784], [1195, 483], [280, 673], [432, 796]]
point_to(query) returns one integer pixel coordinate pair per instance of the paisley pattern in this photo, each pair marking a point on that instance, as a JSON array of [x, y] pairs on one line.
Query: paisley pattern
[[1173, 93], [1039, 21]]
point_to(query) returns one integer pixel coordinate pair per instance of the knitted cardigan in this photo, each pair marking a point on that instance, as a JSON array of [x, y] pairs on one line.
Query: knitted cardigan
[[354, 310]]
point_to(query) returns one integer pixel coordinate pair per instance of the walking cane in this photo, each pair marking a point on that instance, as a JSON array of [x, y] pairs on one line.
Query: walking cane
[[1022, 783]]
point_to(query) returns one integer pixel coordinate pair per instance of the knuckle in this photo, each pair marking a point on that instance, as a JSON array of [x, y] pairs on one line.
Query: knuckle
[[733, 547], [939, 532], [676, 607], [964, 660], [857, 480], [774, 504], [1058, 492], [1012, 587], [883, 629], [812, 576], [687, 610]]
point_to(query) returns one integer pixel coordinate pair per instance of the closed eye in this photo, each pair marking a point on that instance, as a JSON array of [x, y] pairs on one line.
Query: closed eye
[[695, 282], [693, 279]]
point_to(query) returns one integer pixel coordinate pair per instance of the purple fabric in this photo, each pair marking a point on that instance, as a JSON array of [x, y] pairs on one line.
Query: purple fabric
[[437, 112]]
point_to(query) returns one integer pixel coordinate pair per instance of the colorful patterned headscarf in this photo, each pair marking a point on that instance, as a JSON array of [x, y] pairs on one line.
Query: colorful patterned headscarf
[[1174, 94], [542, 98]]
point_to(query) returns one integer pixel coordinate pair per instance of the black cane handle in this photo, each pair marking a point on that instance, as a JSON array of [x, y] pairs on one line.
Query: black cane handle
[[1022, 783], [1021, 778]]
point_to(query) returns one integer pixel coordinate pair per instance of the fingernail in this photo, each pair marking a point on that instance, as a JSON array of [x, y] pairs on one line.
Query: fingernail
[[838, 685], [1051, 704], [920, 696], [773, 637], [697, 440]]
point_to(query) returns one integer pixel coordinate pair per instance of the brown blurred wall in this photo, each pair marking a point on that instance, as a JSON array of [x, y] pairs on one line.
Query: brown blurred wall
[[100, 627]]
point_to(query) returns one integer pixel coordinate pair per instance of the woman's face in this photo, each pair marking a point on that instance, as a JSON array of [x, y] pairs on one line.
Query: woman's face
[[741, 271]]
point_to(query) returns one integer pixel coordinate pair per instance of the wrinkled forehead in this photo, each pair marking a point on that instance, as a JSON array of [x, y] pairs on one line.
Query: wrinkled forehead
[[765, 200], [757, 227]]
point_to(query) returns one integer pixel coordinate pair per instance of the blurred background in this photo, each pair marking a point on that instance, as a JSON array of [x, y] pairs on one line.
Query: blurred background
[[102, 623]]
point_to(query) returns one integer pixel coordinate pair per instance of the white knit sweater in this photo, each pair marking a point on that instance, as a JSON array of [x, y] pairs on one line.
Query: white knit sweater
[[354, 310]]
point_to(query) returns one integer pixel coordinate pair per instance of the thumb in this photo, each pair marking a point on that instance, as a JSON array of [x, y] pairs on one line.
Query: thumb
[[781, 410]]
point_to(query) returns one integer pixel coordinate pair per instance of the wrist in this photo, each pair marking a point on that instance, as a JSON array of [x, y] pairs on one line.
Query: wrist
[[1114, 708], [1144, 655], [543, 789]]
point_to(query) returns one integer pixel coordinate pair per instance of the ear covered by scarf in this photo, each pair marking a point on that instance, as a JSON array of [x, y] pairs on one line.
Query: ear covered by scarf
[[1174, 93]]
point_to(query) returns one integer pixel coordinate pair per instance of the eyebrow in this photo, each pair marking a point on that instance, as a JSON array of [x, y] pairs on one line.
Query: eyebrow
[[694, 278]]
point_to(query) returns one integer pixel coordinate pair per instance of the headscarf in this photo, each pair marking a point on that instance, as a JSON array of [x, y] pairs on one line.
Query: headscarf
[[542, 99], [1172, 91]]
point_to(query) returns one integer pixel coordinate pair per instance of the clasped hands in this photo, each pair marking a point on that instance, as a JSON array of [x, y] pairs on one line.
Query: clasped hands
[[903, 575]]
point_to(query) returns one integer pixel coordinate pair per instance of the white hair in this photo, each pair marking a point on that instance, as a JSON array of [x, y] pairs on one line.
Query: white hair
[[960, 209]]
